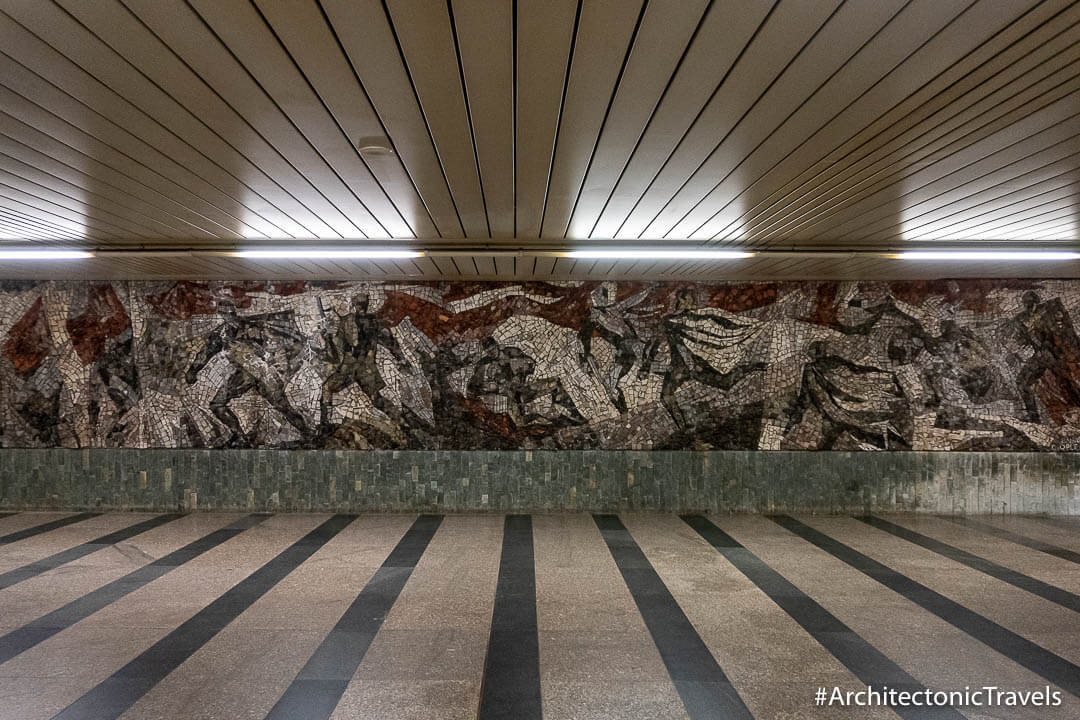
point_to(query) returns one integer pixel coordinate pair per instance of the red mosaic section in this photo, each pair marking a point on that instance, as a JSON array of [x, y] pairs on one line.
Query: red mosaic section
[[27, 344], [104, 318]]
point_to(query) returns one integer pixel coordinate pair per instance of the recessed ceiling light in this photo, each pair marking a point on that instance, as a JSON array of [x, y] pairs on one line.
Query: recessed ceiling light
[[44, 254], [374, 146], [989, 255], [353, 254], [630, 254]]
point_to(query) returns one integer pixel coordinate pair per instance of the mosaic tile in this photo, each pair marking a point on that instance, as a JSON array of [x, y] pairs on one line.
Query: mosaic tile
[[965, 365]]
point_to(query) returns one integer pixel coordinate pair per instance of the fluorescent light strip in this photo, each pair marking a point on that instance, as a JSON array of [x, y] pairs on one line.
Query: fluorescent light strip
[[44, 255], [629, 254], [989, 255], [301, 253]]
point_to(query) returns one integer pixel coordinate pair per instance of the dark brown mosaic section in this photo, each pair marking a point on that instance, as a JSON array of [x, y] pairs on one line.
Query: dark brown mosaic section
[[944, 365]]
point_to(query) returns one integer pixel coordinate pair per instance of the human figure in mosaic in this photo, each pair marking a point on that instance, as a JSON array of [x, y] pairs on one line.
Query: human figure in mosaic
[[115, 377], [501, 380], [351, 347], [99, 330], [30, 381], [1046, 328], [709, 345], [625, 325], [263, 351], [862, 401]]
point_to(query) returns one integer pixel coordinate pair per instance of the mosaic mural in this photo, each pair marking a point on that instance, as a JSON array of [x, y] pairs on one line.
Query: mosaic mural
[[944, 365]]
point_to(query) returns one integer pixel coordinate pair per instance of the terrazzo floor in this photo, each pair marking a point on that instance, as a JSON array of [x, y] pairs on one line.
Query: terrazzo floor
[[228, 616]]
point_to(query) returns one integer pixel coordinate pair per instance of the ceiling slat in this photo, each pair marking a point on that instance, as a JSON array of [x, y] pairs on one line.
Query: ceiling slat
[[954, 229], [37, 224], [21, 158], [243, 30], [166, 86], [545, 33], [939, 160], [991, 228], [825, 74], [304, 30], [543, 266], [505, 266], [941, 60], [15, 81], [29, 126], [661, 42], [984, 99], [173, 31], [725, 33], [485, 38], [430, 52], [184, 128], [68, 123], [104, 81], [791, 25], [72, 219], [1040, 138], [1051, 175], [75, 200], [366, 35], [898, 42], [604, 33], [13, 229]]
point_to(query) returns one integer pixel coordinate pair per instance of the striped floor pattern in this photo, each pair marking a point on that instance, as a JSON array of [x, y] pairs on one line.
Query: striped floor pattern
[[518, 617]]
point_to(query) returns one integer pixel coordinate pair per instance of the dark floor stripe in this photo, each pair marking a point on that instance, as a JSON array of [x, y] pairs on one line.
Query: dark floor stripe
[[8, 514], [705, 690], [1017, 579], [1020, 650], [318, 687], [71, 554], [113, 696], [46, 527], [511, 683], [1045, 547], [860, 657], [1068, 522], [20, 640]]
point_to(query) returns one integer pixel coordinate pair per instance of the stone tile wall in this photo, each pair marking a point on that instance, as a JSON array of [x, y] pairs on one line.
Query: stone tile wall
[[537, 481]]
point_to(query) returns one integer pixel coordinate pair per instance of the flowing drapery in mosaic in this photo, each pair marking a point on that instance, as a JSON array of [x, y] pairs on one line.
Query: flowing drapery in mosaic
[[944, 365]]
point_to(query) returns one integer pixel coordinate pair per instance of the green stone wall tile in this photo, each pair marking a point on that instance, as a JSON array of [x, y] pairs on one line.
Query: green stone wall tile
[[450, 481]]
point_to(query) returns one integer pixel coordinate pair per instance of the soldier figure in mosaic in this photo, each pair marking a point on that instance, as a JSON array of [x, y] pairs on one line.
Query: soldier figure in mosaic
[[351, 344], [1046, 329], [263, 352], [861, 401], [709, 345], [628, 327]]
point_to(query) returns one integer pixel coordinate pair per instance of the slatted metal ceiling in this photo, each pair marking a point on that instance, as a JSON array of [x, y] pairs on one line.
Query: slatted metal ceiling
[[859, 125]]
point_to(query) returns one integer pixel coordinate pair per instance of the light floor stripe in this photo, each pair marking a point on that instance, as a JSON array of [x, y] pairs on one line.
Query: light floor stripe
[[266, 646], [429, 653], [860, 657], [318, 687], [1029, 542], [45, 527], [935, 653], [705, 690], [595, 650], [1034, 586], [12, 577], [110, 698], [1017, 648], [1069, 522], [20, 640]]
